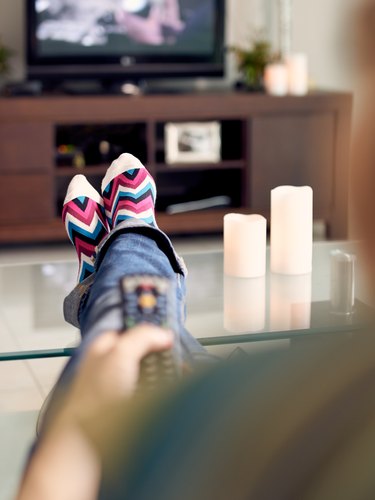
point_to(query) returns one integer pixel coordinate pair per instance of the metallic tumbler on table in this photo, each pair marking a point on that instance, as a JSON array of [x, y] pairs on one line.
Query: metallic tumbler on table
[[342, 282]]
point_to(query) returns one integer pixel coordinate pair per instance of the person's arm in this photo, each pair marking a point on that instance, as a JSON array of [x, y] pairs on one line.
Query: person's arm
[[64, 466], [146, 30]]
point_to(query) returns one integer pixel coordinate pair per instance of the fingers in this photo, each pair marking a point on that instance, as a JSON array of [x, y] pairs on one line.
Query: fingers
[[110, 369], [135, 343], [144, 339]]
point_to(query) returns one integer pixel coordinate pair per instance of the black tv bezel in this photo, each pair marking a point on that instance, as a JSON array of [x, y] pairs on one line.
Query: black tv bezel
[[111, 68]]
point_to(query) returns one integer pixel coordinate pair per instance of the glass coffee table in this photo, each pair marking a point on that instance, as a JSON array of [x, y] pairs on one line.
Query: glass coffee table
[[221, 310]]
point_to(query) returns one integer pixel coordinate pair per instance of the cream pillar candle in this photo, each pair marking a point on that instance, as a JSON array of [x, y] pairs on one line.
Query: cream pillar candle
[[291, 230], [298, 77], [290, 302], [244, 304], [245, 238], [276, 79]]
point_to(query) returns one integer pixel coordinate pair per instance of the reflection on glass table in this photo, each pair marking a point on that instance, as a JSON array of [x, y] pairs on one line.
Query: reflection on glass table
[[220, 310], [227, 310]]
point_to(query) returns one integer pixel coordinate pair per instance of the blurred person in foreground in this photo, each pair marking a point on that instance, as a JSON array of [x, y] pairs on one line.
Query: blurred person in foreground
[[287, 425]]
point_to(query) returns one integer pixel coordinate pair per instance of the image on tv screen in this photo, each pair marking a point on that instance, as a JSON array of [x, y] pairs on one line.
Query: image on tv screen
[[68, 28]]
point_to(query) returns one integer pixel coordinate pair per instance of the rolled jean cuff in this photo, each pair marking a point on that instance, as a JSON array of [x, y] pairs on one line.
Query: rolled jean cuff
[[74, 301]]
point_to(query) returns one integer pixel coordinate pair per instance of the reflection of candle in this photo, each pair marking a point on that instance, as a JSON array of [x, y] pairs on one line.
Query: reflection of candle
[[290, 307], [276, 79], [244, 304], [245, 238], [291, 230], [298, 80]]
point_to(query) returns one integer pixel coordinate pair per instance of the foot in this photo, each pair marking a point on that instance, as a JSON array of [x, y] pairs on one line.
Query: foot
[[129, 192], [85, 222]]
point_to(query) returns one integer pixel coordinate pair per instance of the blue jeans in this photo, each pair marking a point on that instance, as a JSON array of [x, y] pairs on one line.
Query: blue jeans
[[132, 248]]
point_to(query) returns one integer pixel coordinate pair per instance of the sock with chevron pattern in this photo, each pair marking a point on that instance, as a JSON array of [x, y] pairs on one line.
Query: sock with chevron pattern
[[129, 192], [85, 222]]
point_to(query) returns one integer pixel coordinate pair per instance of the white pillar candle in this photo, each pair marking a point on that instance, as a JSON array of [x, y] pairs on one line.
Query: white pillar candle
[[298, 77], [291, 230], [245, 239], [290, 302], [276, 79], [244, 304]]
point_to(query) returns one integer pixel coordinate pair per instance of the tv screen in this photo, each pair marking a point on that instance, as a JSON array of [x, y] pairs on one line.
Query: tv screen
[[140, 35]]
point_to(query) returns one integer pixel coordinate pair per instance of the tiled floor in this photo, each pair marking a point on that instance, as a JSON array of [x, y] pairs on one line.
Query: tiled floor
[[25, 384]]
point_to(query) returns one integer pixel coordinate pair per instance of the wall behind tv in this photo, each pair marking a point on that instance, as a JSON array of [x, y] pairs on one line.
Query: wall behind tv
[[321, 28]]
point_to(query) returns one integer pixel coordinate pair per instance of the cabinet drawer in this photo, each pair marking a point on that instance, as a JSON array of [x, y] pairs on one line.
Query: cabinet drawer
[[26, 147], [25, 198]]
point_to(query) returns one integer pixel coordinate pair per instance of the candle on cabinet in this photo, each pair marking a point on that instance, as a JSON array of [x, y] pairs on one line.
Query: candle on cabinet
[[245, 239], [298, 77], [291, 230], [276, 79], [244, 304]]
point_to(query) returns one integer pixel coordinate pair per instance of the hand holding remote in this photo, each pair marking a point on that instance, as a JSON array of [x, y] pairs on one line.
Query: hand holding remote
[[152, 299]]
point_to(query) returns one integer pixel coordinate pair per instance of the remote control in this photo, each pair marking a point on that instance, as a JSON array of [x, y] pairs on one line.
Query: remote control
[[152, 299]]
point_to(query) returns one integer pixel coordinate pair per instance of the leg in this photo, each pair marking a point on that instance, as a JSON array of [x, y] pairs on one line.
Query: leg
[[129, 195], [129, 253], [134, 246]]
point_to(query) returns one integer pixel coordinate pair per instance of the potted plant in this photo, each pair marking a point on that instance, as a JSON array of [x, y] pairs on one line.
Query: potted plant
[[252, 62]]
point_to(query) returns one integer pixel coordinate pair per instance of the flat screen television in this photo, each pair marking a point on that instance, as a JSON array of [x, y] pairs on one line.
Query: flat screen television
[[124, 40]]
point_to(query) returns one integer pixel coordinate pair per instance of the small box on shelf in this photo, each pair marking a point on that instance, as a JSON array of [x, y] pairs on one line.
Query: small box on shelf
[[192, 142], [218, 142]]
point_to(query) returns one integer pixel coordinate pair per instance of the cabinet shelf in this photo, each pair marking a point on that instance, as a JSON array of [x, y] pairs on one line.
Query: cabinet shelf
[[161, 168], [179, 167], [89, 170]]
